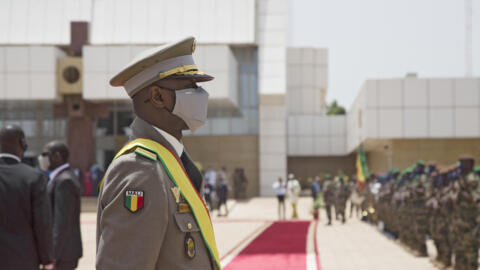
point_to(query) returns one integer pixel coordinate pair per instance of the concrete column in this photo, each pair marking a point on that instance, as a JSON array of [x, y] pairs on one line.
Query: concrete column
[[81, 141], [271, 38], [80, 115], [273, 141]]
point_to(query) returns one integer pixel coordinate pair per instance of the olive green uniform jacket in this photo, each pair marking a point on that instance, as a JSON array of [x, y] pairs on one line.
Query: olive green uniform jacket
[[153, 237]]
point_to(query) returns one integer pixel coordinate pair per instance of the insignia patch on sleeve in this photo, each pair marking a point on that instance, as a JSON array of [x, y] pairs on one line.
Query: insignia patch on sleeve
[[134, 200]]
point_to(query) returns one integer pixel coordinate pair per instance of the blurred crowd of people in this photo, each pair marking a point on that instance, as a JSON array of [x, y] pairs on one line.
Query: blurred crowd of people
[[216, 188], [332, 193]]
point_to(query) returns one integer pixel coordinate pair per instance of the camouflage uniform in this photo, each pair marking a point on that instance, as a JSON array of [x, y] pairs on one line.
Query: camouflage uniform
[[401, 199], [419, 214], [442, 233], [465, 223], [409, 225], [329, 191], [385, 210], [369, 204], [435, 215], [342, 194], [381, 206]]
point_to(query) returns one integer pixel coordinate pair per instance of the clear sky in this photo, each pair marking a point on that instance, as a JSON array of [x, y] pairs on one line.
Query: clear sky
[[370, 39]]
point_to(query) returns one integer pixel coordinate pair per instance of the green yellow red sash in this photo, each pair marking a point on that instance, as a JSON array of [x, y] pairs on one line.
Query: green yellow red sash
[[178, 175]]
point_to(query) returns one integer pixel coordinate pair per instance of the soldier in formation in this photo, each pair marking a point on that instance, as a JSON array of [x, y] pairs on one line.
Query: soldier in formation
[[440, 201]]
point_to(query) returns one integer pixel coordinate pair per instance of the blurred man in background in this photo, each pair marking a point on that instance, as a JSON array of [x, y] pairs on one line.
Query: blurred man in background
[[64, 192], [315, 187], [25, 231], [222, 190], [211, 180], [293, 192], [280, 190]]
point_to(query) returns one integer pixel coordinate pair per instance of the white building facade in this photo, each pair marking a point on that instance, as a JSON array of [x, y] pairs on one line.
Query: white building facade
[[267, 112]]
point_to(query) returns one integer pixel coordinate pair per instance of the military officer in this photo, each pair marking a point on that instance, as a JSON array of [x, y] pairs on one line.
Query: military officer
[[329, 191], [150, 211], [341, 197]]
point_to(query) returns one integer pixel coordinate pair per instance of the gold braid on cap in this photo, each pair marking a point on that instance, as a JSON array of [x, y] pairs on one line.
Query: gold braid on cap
[[176, 70]]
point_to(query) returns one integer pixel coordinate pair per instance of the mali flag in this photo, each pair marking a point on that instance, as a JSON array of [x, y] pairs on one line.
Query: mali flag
[[134, 200], [361, 167]]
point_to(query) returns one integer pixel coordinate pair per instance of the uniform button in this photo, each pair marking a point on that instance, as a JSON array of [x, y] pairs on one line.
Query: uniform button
[[189, 226]]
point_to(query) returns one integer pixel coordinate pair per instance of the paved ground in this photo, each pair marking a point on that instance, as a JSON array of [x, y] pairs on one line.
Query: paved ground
[[354, 245]]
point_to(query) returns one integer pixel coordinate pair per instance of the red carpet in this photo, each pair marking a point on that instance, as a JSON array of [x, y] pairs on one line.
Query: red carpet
[[280, 246]]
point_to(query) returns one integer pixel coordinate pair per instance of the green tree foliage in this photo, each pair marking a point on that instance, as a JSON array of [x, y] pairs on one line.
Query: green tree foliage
[[335, 109]]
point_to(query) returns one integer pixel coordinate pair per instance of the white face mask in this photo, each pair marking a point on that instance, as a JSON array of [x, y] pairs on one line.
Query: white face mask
[[192, 105], [43, 162]]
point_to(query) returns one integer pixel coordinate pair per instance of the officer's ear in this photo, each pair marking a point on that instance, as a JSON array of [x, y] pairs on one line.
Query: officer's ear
[[158, 96]]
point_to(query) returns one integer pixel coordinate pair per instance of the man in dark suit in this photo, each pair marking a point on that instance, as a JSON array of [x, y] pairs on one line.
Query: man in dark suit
[[64, 192], [25, 218]]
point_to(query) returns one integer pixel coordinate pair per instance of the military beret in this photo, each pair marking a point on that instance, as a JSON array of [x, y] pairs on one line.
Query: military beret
[[173, 60], [328, 176], [421, 162]]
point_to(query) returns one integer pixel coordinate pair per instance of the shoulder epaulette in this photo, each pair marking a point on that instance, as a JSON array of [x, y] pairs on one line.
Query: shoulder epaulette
[[146, 153]]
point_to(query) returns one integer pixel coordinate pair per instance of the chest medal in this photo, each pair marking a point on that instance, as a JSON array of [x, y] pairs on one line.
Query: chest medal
[[190, 246]]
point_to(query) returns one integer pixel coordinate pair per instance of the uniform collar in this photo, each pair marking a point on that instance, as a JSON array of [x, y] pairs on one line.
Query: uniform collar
[[7, 155], [58, 170], [176, 144], [143, 129]]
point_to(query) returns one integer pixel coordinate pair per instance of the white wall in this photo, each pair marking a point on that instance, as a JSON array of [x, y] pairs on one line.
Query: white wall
[[307, 80], [415, 108], [101, 63], [40, 21], [310, 131], [161, 21], [271, 38], [128, 21], [28, 72], [317, 135]]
